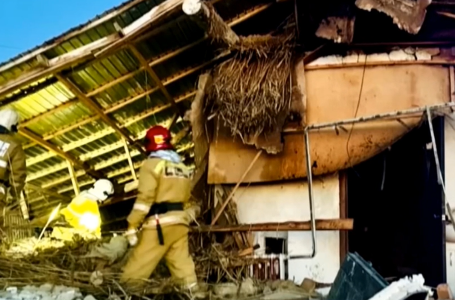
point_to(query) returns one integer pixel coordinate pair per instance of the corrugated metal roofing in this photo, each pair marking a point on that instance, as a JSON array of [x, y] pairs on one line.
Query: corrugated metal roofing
[[177, 51]]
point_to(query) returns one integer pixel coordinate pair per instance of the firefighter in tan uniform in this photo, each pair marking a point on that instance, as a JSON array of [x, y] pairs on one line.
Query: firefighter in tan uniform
[[164, 188], [13, 171]]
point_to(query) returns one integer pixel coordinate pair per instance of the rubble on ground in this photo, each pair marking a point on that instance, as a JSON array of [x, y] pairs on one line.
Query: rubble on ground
[[32, 245], [43, 292]]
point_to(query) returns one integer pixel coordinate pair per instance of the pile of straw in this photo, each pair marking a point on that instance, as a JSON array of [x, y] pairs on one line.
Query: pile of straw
[[68, 266], [251, 91]]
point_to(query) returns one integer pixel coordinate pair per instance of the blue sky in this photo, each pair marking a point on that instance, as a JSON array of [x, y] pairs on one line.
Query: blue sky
[[27, 23]]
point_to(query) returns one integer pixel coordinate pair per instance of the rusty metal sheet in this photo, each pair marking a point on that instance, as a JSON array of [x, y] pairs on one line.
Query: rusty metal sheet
[[334, 95]]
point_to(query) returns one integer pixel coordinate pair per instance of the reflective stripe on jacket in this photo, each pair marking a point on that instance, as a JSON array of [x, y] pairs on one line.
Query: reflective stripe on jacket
[[161, 181]]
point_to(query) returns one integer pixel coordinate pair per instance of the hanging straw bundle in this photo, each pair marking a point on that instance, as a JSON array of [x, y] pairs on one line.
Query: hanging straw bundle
[[251, 91]]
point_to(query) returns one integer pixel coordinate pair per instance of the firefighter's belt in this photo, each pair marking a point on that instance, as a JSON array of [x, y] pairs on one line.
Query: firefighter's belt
[[162, 208]]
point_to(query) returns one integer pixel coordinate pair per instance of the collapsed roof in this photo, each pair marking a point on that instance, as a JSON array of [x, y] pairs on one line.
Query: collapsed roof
[[87, 97]]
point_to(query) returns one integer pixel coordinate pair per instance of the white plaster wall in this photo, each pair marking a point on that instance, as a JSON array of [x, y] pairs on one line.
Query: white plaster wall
[[282, 202], [449, 165]]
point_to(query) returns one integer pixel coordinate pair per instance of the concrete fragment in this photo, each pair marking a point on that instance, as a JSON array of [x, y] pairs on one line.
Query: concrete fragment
[[46, 288], [402, 55], [96, 278], [12, 290], [421, 54], [248, 288], [350, 59], [327, 60], [225, 289], [279, 295], [67, 295], [377, 57]]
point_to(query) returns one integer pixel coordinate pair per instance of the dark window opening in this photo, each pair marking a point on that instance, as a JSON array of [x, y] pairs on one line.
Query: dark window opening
[[275, 246]]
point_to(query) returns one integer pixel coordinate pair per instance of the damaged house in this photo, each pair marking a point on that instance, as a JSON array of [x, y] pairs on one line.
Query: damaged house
[[315, 129]]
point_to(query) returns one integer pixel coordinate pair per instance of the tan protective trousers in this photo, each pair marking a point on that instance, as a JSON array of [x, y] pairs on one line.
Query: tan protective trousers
[[148, 253], [2, 206]]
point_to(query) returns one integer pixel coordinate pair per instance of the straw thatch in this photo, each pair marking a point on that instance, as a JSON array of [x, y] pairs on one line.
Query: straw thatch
[[251, 91]]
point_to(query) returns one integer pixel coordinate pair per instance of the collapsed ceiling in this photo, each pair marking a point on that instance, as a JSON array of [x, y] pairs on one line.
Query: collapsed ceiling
[[87, 97]]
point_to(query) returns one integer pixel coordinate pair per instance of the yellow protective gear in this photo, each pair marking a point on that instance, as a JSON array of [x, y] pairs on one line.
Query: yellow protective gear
[[83, 214], [148, 253]]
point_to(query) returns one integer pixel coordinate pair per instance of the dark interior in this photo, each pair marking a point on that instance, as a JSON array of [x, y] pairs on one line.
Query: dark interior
[[397, 207]]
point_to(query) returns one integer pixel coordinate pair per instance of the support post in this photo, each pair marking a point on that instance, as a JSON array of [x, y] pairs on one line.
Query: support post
[[130, 160], [73, 178], [24, 207]]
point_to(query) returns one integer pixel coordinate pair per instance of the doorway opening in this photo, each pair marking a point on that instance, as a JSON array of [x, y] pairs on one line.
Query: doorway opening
[[397, 206]]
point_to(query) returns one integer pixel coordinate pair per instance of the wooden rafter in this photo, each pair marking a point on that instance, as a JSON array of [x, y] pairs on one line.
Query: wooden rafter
[[48, 113], [126, 123], [128, 33], [129, 158], [85, 53], [118, 172], [95, 107], [127, 101], [73, 178], [164, 57], [177, 138], [72, 34], [53, 148], [155, 77]]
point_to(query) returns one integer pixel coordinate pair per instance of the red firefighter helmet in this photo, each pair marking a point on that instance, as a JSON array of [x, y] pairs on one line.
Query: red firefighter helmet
[[158, 138]]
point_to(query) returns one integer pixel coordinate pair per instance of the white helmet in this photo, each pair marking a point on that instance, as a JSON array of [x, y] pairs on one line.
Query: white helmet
[[102, 189], [9, 119]]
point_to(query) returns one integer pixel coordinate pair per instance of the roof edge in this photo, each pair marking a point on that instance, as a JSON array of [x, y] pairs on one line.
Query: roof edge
[[79, 29]]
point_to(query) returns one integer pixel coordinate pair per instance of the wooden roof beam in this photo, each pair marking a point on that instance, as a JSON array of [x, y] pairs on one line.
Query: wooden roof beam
[[48, 113], [102, 133], [82, 54], [112, 174], [165, 57], [95, 107], [128, 33], [53, 148], [204, 16], [101, 165], [34, 54], [123, 102], [155, 78]]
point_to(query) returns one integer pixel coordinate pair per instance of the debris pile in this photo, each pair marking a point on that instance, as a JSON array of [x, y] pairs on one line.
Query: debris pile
[[95, 267], [43, 292], [32, 245]]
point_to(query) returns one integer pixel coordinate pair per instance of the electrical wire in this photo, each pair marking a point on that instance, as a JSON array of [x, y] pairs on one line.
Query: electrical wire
[[356, 110]]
